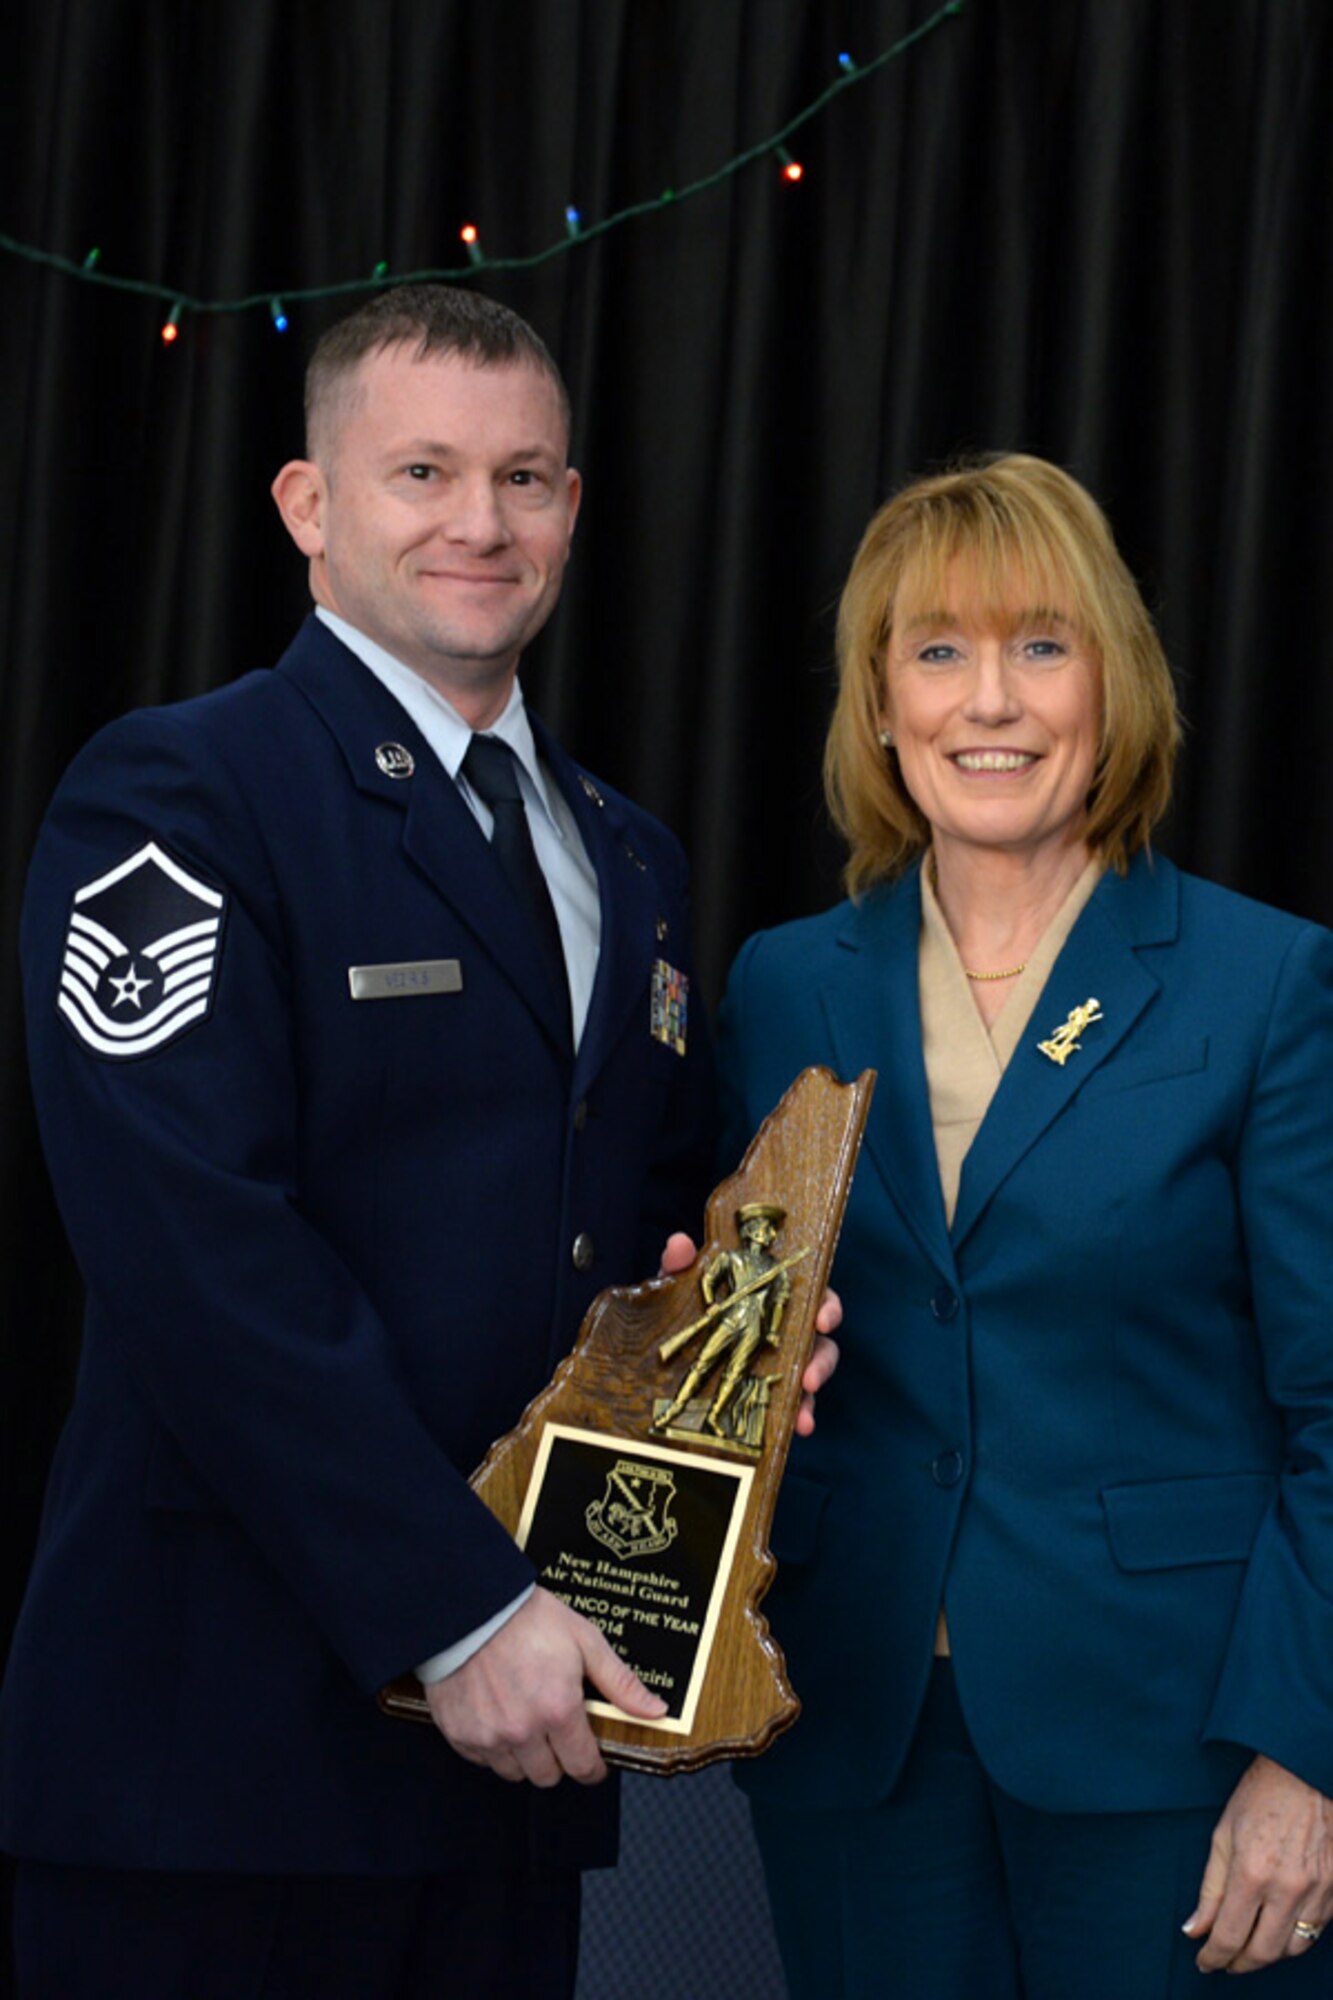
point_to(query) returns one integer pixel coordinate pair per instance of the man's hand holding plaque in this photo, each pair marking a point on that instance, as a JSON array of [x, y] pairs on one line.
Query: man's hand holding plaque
[[641, 1483], [518, 1705]]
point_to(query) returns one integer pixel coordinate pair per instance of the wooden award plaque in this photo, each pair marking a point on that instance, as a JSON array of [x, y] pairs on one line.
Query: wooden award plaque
[[642, 1480]]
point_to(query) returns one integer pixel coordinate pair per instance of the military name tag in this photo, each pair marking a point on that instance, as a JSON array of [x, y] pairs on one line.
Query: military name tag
[[405, 982]]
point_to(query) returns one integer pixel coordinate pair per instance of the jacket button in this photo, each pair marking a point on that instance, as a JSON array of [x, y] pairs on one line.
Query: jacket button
[[944, 1304], [580, 1114], [948, 1468], [582, 1252]]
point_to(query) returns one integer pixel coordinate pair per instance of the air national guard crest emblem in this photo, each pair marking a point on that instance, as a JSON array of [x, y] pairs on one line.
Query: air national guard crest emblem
[[141, 955], [633, 1517]]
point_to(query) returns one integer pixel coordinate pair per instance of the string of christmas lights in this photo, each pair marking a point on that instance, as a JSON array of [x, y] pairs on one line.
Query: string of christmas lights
[[577, 230]]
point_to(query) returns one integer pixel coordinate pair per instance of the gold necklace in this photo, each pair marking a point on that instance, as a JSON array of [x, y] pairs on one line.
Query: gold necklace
[[1012, 972], [983, 977]]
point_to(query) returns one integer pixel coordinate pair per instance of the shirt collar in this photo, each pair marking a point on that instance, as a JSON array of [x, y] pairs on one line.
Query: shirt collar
[[436, 717]]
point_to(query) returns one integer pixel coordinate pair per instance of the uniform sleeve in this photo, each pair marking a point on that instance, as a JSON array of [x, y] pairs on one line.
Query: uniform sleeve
[[168, 1087], [1275, 1693]]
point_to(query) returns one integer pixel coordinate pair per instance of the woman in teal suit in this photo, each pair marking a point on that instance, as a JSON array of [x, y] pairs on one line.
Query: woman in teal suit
[[1056, 1570]]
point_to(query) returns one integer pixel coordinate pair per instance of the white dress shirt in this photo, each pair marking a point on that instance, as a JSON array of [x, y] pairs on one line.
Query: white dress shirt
[[563, 858]]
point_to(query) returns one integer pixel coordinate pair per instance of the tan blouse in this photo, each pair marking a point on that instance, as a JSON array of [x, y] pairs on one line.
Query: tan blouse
[[964, 1058]]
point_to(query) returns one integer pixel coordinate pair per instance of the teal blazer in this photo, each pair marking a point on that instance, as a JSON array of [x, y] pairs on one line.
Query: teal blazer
[[1095, 1417]]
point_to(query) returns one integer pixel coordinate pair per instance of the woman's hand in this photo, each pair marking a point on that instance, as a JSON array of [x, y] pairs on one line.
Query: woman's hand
[[678, 1255], [1270, 1869]]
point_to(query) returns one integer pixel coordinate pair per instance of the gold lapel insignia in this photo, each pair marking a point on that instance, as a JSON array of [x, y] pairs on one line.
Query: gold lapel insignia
[[1065, 1040]]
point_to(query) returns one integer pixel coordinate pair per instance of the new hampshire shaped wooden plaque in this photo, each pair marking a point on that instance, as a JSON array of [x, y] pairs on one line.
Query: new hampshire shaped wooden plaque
[[642, 1480]]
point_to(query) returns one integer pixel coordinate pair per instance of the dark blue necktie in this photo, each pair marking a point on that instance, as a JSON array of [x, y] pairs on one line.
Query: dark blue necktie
[[489, 769]]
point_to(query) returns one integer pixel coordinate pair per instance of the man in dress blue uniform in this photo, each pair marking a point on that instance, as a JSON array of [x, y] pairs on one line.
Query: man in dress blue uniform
[[344, 1154]]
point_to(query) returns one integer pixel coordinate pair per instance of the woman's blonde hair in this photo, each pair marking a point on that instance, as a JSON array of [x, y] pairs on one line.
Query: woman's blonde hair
[[1007, 517]]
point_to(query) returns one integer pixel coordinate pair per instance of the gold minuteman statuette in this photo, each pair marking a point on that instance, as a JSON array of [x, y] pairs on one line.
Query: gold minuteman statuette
[[746, 1316]]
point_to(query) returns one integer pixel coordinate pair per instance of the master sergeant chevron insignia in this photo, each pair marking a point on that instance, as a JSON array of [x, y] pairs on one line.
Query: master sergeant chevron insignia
[[141, 955]]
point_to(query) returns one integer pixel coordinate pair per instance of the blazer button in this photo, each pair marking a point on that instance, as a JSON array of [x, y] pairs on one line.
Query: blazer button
[[948, 1468], [580, 1114], [582, 1252], [944, 1304]]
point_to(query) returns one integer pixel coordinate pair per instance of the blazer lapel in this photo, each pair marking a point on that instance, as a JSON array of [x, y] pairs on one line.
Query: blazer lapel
[[634, 919], [873, 1009], [1099, 962], [444, 840], [440, 835]]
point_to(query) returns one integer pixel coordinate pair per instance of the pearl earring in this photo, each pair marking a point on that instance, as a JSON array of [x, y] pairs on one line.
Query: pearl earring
[[886, 738]]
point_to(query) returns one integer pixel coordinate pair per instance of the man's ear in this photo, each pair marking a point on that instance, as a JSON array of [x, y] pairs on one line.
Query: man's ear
[[300, 492]]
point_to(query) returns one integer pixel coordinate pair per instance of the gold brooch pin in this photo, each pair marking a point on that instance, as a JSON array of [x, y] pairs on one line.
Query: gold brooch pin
[[1065, 1040]]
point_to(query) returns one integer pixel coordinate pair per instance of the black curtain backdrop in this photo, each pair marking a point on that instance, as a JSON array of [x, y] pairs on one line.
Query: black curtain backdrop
[[1095, 229]]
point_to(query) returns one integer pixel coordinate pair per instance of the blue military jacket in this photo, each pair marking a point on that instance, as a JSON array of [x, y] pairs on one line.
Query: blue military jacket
[[332, 1246], [1093, 1417]]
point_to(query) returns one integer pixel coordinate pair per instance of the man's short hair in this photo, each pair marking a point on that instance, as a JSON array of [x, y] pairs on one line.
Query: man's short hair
[[434, 319]]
